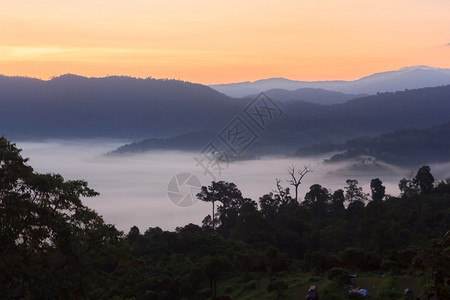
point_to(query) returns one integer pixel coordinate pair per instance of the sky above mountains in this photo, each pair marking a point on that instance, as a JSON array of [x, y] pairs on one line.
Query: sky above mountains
[[214, 42]]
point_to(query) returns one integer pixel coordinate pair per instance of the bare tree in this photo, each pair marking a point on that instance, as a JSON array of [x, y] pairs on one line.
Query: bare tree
[[280, 191], [297, 176]]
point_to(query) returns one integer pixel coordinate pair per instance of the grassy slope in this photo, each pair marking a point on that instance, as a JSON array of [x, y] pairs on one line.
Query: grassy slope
[[254, 286]]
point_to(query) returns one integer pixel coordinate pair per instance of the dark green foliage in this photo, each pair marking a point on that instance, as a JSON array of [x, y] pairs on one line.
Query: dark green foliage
[[50, 243], [383, 235], [319, 261], [338, 274], [435, 259], [352, 258]]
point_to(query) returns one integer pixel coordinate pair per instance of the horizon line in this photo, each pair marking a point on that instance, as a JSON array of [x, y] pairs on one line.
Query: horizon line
[[414, 67]]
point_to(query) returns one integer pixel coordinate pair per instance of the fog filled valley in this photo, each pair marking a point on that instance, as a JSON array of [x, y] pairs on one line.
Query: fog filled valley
[[133, 188]]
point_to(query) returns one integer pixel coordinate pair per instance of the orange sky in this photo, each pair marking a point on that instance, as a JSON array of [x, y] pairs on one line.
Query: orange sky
[[220, 41]]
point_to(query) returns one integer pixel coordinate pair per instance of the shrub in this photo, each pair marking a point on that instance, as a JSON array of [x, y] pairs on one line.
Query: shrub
[[277, 286], [228, 289], [337, 274], [251, 285]]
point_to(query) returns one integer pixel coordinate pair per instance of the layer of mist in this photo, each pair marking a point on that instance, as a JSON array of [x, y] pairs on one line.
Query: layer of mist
[[133, 189]]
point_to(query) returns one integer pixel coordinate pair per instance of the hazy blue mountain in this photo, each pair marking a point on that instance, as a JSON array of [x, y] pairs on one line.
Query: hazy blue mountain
[[247, 88], [123, 107], [391, 81], [312, 95], [403, 147], [372, 115]]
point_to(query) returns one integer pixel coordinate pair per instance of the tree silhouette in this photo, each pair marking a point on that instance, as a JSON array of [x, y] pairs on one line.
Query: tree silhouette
[[407, 187], [378, 189], [353, 192], [424, 180], [229, 196], [297, 176], [45, 231], [317, 200], [337, 203]]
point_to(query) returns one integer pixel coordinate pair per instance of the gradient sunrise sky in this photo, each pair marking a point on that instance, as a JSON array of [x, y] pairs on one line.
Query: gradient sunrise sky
[[222, 41]]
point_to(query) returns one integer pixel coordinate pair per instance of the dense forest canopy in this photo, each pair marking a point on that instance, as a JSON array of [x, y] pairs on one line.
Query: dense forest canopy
[[54, 247]]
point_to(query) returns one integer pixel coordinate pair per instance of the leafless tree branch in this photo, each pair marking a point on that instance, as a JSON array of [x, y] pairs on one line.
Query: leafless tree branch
[[296, 177]]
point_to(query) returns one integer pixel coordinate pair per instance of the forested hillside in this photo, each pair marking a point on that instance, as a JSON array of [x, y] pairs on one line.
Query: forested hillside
[[403, 147], [117, 107]]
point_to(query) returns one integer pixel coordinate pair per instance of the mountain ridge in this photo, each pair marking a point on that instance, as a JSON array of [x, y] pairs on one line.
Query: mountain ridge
[[404, 78]]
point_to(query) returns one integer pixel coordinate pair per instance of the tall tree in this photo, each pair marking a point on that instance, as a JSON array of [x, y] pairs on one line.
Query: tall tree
[[133, 235], [337, 203], [407, 187], [353, 192], [317, 200], [297, 176], [232, 202], [269, 206], [378, 189], [424, 180]]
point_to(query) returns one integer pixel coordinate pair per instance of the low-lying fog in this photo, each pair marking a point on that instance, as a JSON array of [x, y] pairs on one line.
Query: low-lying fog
[[133, 189]]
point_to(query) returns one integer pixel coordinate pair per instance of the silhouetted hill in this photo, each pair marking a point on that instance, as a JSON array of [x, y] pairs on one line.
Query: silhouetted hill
[[192, 141], [75, 106], [403, 147], [391, 81]]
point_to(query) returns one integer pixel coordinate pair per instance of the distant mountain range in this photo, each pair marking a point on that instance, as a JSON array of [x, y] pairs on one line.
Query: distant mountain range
[[306, 124], [171, 114], [391, 81]]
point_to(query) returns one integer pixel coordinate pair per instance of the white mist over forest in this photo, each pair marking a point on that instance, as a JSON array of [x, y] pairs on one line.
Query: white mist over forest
[[133, 188]]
